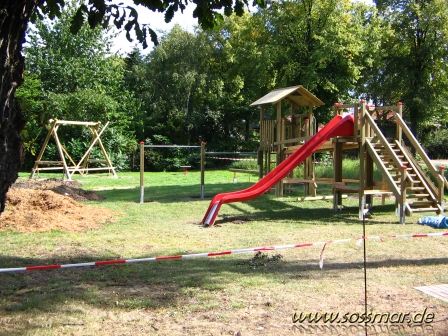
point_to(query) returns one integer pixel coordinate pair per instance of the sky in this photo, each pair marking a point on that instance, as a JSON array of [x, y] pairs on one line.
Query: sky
[[157, 23]]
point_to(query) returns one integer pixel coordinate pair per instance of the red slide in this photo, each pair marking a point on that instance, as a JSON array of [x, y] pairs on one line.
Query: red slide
[[338, 126]]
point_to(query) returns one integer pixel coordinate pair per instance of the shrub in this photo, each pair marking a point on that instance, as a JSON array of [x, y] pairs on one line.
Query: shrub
[[436, 146], [245, 164]]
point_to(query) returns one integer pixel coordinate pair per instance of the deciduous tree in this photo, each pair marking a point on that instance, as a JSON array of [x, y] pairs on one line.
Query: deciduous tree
[[414, 63], [15, 16]]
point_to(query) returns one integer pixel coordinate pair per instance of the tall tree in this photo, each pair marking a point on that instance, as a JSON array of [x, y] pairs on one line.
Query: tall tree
[[414, 65], [14, 18], [79, 81], [137, 82], [177, 72], [242, 65], [317, 44], [202, 85]]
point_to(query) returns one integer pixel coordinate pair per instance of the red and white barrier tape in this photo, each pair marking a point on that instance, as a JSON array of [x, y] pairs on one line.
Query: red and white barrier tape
[[214, 254]]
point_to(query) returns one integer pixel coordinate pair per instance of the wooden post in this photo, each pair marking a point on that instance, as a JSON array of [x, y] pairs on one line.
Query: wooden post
[[362, 152], [402, 204], [106, 157], [399, 129], [260, 163], [356, 110], [142, 169], [202, 168], [369, 177], [267, 161], [384, 187], [96, 138], [61, 153], [42, 150], [337, 154], [337, 164], [279, 187], [306, 164], [85, 163], [441, 188]]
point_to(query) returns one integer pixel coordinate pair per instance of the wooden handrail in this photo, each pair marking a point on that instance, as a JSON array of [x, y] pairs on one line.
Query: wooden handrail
[[419, 170], [385, 143], [420, 150], [393, 187]]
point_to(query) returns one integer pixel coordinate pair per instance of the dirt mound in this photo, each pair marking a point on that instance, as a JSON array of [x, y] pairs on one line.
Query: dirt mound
[[45, 205], [66, 188]]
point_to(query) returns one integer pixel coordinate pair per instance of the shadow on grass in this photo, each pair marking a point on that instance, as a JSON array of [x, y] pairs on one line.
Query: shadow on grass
[[170, 193], [267, 207], [319, 213], [154, 285]]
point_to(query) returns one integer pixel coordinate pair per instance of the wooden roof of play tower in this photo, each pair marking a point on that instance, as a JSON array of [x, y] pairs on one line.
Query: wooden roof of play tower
[[296, 95]]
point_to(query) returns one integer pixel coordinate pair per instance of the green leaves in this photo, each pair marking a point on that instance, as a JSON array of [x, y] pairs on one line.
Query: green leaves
[[78, 19], [102, 13], [413, 65], [71, 77], [49, 8]]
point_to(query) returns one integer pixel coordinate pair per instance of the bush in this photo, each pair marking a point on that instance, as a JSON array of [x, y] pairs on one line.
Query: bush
[[169, 159], [436, 146], [245, 164]]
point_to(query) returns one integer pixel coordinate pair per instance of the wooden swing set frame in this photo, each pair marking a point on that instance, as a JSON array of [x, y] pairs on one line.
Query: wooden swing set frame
[[82, 165]]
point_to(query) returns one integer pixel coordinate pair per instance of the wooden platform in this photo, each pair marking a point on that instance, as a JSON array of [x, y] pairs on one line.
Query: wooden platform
[[439, 291], [327, 146]]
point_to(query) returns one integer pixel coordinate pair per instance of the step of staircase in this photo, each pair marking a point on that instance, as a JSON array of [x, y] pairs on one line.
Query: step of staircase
[[419, 204], [417, 196], [424, 209]]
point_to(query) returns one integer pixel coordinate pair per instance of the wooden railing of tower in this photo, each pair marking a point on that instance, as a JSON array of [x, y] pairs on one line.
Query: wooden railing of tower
[[372, 138], [439, 177]]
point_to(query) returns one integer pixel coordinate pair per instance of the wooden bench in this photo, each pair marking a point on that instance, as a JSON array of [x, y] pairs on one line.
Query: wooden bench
[[247, 171]]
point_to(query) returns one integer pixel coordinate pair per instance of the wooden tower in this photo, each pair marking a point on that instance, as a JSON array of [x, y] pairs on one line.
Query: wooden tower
[[287, 130], [402, 175]]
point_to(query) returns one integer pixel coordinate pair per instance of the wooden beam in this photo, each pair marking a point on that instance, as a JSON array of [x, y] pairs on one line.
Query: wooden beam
[[79, 123], [345, 188], [318, 198]]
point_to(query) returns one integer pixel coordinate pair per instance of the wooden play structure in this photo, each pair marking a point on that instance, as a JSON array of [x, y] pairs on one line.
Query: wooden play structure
[[402, 175], [82, 165]]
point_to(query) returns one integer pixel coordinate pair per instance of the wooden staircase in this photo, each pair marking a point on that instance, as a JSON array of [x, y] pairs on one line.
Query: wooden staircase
[[420, 192]]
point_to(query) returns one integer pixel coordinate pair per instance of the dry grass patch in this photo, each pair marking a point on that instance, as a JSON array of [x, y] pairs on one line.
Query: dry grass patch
[[222, 295]]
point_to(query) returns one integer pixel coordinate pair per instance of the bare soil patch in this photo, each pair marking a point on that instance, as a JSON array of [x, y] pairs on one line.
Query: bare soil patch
[[52, 204]]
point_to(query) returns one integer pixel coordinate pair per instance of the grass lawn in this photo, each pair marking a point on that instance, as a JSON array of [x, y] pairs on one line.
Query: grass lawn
[[246, 293]]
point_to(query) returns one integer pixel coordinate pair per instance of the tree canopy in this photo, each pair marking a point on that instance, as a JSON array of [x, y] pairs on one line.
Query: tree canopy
[[15, 15], [197, 86], [413, 66]]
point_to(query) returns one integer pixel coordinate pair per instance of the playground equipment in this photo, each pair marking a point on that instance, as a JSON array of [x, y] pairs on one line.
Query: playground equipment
[[142, 165], [293, 141], [82, 165], [337, 126]]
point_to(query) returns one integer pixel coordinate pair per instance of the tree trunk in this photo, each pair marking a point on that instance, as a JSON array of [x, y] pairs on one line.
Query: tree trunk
[[14, 18]]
